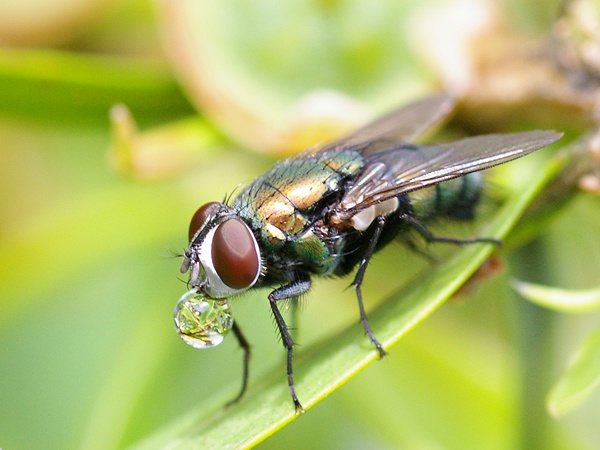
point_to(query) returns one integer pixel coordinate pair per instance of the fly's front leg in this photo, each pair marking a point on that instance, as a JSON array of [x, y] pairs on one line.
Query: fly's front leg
[[291, 290], [358, 279], [247, 353]]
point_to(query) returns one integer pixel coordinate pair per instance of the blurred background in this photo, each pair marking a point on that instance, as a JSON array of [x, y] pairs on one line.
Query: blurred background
[[118, 119]]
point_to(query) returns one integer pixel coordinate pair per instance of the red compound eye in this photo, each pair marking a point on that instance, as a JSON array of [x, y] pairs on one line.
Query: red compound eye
[[234, 254], [201, 216]]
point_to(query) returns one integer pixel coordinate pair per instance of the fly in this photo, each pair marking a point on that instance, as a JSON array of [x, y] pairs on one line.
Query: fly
[[326, 211]]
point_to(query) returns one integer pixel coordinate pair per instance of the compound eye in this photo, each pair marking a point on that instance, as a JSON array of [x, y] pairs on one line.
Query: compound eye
[[234, 254], [201, 216]]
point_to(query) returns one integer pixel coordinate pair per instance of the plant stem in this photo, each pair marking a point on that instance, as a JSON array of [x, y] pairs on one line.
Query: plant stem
[[534, 341]]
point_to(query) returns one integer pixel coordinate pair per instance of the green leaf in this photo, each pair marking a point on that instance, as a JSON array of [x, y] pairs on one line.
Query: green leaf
[[77, 88], [580, 379], [322, 368], [574, 301]]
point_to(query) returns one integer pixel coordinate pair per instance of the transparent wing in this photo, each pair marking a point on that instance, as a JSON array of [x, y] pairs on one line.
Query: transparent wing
[[402, 125], [396, 171]]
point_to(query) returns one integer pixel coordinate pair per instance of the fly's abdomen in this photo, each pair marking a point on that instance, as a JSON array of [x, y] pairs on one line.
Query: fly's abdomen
[[455, 199]]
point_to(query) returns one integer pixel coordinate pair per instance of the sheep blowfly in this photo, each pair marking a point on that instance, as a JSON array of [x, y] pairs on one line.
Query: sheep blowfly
[[326, 211]]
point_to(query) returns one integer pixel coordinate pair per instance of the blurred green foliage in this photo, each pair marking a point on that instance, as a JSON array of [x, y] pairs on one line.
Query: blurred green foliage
[[89, 278]]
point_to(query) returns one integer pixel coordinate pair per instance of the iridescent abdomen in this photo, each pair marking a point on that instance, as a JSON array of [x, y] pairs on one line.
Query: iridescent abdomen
[[455, 199]]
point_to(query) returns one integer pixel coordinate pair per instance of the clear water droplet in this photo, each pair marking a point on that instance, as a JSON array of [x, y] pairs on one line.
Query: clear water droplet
[[200, 321]]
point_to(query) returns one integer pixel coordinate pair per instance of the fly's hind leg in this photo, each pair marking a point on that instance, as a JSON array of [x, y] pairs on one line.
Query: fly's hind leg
[[358, 279], [430, 237], [288, 291]]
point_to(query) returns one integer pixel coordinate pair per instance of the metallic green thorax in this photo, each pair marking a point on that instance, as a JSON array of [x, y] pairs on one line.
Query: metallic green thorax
[[282, 205]]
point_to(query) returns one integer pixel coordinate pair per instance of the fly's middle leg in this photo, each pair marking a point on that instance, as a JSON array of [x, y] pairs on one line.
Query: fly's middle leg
[[358, 279]]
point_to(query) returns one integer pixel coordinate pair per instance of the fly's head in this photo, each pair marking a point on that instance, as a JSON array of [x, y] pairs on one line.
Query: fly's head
[[223, 257]]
